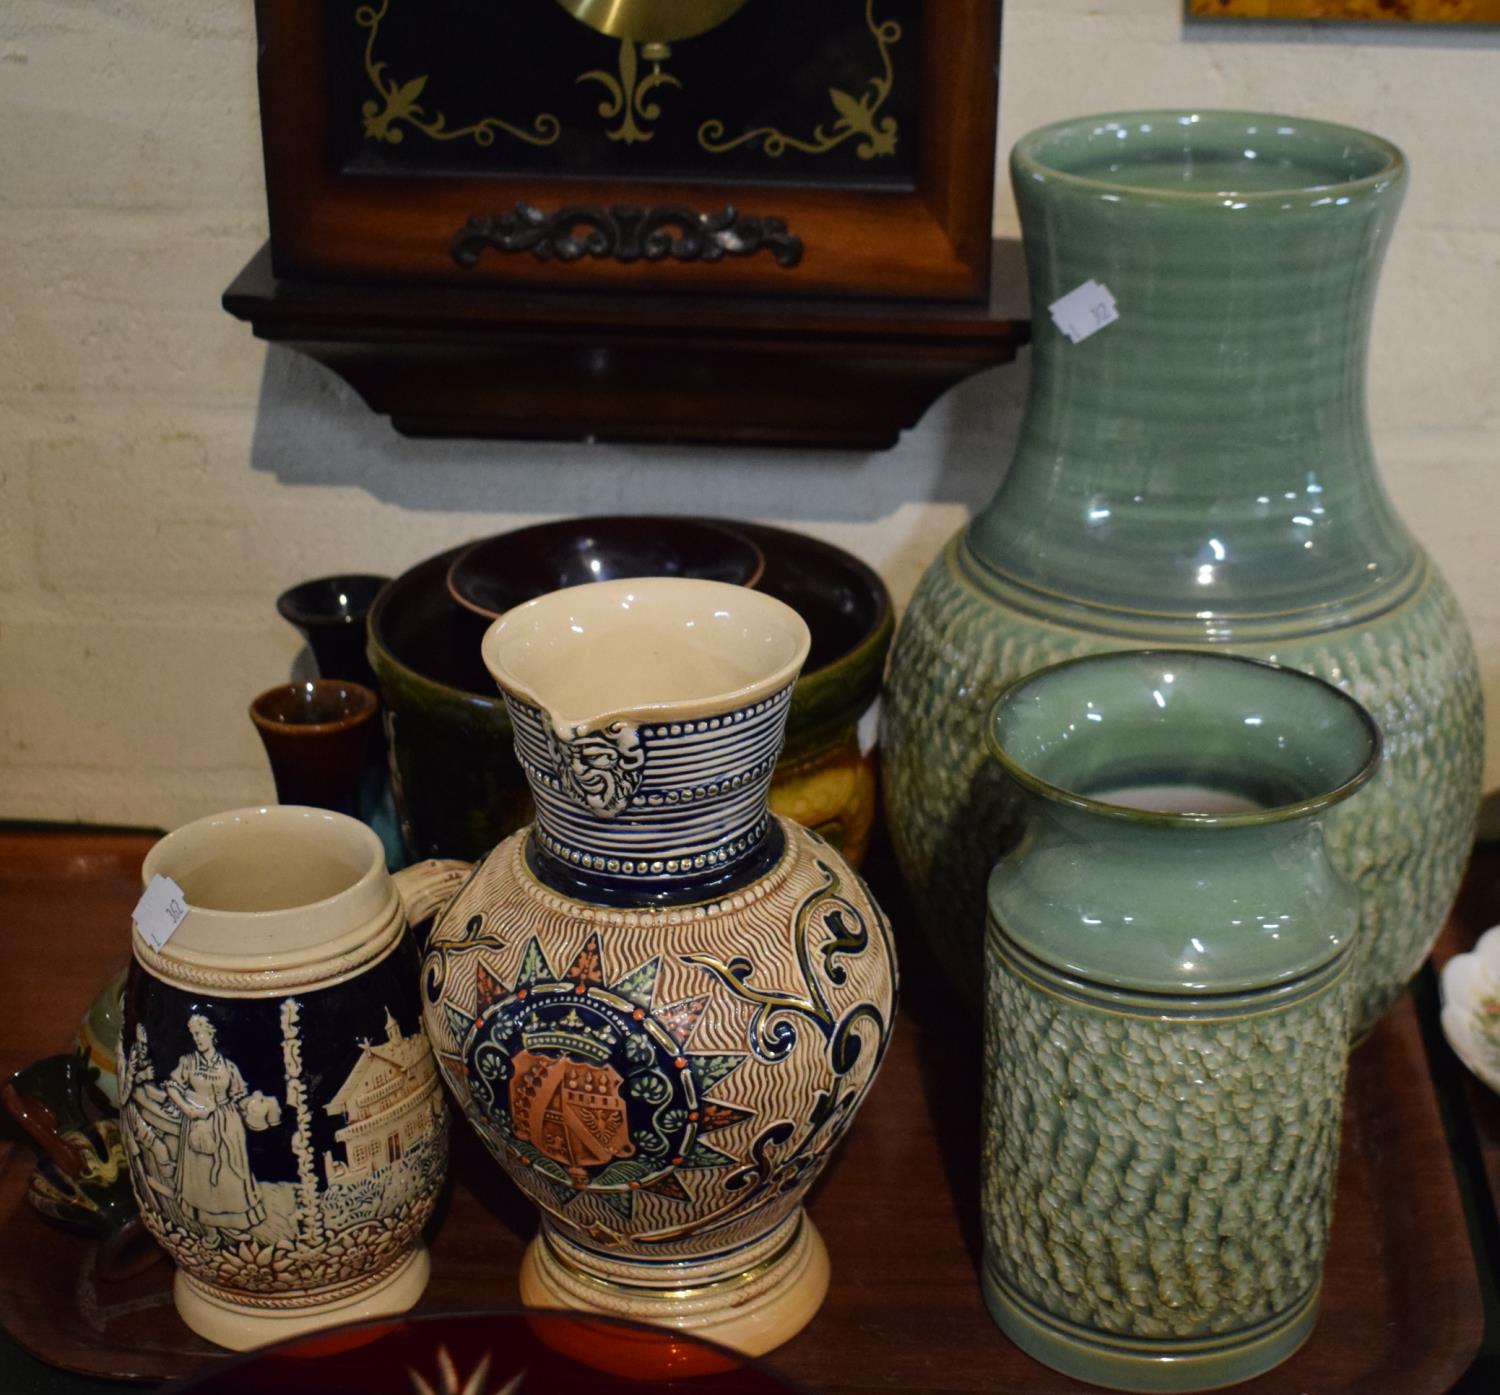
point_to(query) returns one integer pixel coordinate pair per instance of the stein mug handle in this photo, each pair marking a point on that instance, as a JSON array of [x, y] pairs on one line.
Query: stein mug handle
[[426, 888]]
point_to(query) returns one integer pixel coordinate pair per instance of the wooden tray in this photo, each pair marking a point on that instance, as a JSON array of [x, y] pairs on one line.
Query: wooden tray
[[898, 1208]]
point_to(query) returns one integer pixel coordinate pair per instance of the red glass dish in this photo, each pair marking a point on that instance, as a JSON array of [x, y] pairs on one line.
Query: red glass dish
[[516, 1352]]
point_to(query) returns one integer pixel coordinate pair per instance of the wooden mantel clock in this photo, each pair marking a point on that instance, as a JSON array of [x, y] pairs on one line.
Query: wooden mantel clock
[[764, 221]]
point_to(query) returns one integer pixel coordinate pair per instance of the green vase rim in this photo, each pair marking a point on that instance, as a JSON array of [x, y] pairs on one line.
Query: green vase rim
[[1034, 157], [1288, 812]]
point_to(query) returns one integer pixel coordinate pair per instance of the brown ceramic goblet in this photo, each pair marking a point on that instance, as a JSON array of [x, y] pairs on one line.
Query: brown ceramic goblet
[[316, 734]]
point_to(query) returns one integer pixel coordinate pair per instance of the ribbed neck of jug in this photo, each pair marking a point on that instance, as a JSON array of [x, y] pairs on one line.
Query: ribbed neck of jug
[[648, 718], [644, 812], [1207, 454]]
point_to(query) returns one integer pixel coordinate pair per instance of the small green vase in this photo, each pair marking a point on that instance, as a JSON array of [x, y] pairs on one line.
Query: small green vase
[[1199, 473], [1166, 1023]]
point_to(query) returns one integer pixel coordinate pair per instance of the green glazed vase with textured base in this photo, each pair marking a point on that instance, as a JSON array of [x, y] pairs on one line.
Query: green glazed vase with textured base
[[1167, 1014], [1198, 472]]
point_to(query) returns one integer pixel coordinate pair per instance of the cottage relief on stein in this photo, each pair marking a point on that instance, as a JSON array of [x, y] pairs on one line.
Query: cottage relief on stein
[[273, 1217]]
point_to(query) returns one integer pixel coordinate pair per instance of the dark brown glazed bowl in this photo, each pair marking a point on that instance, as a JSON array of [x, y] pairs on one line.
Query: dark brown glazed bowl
[[495, 574], [458, 788], [518, 1352]]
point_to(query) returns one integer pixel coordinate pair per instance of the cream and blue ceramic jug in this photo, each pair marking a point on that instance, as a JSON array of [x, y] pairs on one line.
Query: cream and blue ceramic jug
[[661, 1005]]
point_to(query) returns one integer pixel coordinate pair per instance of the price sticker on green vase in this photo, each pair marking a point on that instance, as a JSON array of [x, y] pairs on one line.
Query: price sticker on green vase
[[1085, 310]]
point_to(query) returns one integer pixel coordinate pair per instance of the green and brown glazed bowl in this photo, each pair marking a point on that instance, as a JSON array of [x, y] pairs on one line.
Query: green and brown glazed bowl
[[826, 776], [98, 1039], [458, 787]]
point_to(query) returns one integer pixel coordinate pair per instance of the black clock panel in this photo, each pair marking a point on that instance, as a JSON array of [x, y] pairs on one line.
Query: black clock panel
[[777, 91]]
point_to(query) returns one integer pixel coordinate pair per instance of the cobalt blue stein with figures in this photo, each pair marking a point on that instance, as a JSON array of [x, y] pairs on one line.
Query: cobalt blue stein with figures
[[284, 1124]]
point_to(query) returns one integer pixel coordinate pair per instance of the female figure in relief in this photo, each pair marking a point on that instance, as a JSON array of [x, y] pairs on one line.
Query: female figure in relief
[[215, 1186]]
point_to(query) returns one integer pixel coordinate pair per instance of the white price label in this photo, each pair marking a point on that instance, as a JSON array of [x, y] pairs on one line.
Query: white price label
[[160, 911], [869, 728], [1085, 310]]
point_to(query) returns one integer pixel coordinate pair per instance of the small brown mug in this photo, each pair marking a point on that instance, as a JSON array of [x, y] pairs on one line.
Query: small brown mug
[[317, 734]]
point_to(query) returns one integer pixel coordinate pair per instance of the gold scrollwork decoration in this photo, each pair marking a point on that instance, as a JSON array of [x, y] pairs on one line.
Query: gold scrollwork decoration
[[628, 94], [857, 116], [401, 105]]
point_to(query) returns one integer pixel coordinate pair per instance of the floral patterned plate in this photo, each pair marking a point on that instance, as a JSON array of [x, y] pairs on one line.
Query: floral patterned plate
[[1471, 1007]]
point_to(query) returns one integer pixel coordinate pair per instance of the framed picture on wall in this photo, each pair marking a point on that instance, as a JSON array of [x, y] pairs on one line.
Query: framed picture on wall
[[1410, 11]]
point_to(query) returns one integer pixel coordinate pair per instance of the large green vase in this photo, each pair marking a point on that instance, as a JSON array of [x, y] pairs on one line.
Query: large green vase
[[1197, 472]]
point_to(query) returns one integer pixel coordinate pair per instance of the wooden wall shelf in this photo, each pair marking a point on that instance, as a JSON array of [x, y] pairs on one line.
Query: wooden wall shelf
[[492, 361]]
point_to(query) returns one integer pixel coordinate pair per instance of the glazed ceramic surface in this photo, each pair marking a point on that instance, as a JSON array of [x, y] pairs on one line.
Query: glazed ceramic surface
[[1198, 472], [80, 1181], [458, 787], [285, 1125], [330, 612], [1471, 1007], [661, 1005], [317, 736], [826, 777], [1167, 1013], [98, 1039], [493, 575]]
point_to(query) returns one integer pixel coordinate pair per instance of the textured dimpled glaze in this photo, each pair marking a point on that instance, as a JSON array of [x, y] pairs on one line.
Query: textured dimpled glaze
[[1166, 1025], [1402, 842], [1159, 1178], [1197, 474], [1157, 1193]]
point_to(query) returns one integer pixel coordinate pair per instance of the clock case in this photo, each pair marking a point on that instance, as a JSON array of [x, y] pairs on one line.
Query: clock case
[[838, 330]]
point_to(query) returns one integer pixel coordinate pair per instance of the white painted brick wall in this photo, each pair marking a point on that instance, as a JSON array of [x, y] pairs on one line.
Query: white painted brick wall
[[163, 476]]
